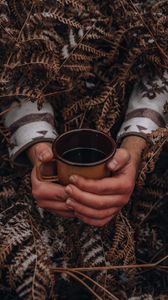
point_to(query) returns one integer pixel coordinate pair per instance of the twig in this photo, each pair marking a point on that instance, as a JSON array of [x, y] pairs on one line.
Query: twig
[[8, 32], [131, 266], [149, 30], [73, 50], [8, 109], [36, 261], [98, 285], [83, 283], [149, 212], [57, 92], [154, 154], [28, 16]]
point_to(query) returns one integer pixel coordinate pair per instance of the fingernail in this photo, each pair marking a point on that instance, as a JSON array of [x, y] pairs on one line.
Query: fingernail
[[44, 155], [113, 164], [73, 178], [69, 204], [68, 189]]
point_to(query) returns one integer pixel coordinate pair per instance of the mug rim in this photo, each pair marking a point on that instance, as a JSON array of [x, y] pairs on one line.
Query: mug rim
[[92, 164]]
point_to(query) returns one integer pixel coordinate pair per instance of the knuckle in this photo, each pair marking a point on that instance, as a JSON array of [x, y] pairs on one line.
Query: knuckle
[[102, 215], [125, 154], [81, 182], [122, 155], [36, 193], [100, 204], [101, 189], [39, 147]]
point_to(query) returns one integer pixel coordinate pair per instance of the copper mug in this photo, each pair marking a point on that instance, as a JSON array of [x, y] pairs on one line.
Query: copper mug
[[83, 152]]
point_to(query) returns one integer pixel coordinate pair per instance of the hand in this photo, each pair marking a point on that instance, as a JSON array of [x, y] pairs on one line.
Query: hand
[[50, 196], [96, 202]]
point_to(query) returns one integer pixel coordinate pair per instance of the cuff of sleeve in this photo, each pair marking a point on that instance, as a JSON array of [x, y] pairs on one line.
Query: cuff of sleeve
[[26, 136], [138, 126], [133, 133], [28, 126]]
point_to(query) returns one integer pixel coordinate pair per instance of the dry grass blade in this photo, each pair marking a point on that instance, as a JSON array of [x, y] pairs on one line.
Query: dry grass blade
[[153, 156], [102, 268], [98, 285], [79, 280]]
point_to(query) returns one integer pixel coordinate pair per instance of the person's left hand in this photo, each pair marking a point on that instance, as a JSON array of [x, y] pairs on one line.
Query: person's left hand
[[96, 202]]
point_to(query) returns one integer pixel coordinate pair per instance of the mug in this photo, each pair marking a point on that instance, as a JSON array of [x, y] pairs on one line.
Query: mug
[[83, 152]]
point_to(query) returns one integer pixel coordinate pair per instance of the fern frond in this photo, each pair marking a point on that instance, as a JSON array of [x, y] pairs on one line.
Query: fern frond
[[13, 233], [123, 236], [81, 57], [7, 193], [53, 14], [107, 92], [74, 109], [76, 4], [124, 73], [78, 68], [109, 114], [22, 91], [50, 37], [90, 49], [75, 122], [46, 59]]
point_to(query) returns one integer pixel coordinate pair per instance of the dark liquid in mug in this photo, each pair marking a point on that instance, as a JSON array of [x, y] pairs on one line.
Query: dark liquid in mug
[[83, 155]]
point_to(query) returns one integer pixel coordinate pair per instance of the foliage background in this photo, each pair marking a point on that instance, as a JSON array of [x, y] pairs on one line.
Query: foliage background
[[84, 57]]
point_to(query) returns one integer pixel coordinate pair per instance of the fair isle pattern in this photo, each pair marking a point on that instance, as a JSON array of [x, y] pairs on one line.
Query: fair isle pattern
[[28, 135], [144, 114], [31, 118], [28, 125]]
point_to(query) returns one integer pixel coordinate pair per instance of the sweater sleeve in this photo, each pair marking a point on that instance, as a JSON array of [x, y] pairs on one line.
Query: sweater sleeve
[[27, 126], [145, 111]]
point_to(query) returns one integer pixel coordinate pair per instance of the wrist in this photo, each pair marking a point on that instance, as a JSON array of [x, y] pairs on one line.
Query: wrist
[[135, 145]]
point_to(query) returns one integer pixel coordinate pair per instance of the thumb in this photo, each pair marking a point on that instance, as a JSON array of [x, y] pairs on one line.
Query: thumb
[[119, 160], [43, 152]]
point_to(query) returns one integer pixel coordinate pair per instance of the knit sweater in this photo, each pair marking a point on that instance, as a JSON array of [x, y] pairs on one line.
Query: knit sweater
[[28, 125]]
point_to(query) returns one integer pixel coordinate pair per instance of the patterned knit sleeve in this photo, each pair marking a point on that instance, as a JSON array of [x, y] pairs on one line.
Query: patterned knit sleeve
[[27, 126], [145, 111]]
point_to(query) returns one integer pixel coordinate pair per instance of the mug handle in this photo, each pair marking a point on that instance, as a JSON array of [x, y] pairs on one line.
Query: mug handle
[[46, 178]]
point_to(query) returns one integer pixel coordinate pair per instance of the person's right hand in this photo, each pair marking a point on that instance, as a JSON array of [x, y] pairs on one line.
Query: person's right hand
[[50, 196]]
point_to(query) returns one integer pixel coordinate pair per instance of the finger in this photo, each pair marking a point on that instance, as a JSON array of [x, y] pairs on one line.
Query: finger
[[62, 213], [54, 205], [91, 212], [47, 190], [43, 152], [119, 160], [94, 222], [106, 186], [96, 201]]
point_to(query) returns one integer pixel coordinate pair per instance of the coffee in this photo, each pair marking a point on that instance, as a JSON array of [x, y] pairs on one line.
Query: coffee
[[83, 155], [84, 152]]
